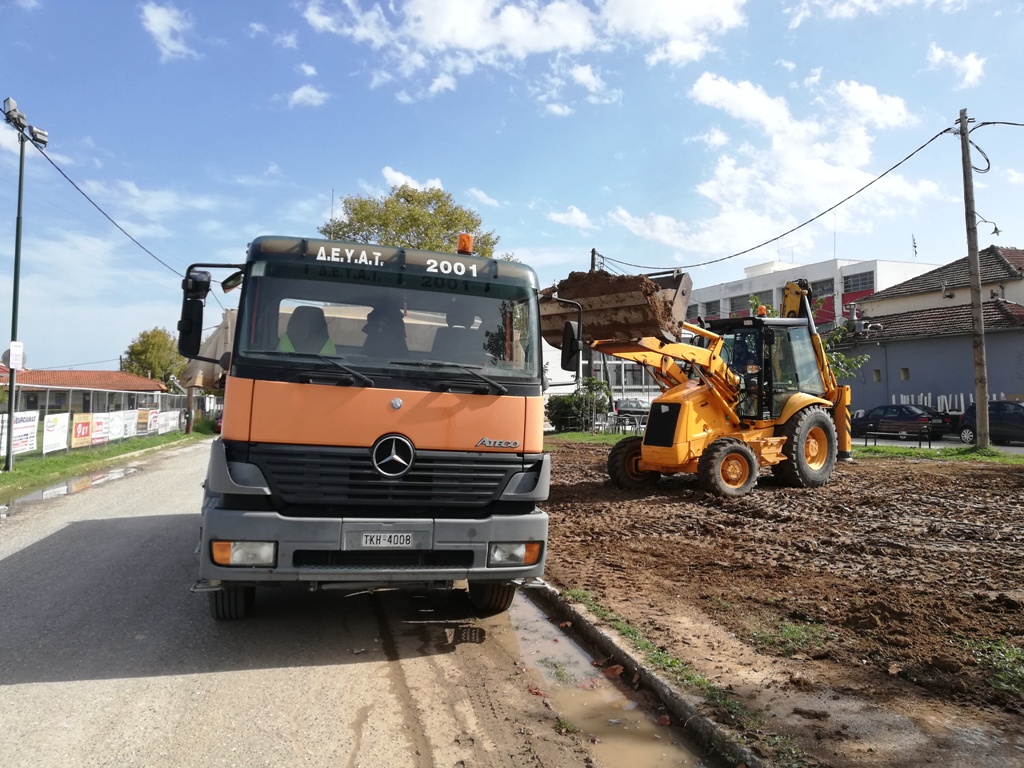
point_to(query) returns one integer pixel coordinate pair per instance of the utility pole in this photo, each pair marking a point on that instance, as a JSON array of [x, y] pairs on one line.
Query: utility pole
[[974, 265]]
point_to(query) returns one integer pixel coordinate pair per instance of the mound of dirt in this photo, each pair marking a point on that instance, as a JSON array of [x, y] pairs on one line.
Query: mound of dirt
[[887, 587]]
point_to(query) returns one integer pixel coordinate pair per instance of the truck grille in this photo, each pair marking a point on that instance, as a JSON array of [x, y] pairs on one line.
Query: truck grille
[[395, 560], [304, 476]]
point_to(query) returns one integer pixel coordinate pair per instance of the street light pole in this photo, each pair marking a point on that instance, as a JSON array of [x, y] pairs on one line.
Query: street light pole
[[14, 116]]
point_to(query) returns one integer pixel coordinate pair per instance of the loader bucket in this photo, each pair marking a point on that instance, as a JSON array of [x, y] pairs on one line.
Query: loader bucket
[[617, 306]]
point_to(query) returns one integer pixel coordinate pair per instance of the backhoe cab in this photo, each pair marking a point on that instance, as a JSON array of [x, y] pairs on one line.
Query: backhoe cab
[[739, 395]]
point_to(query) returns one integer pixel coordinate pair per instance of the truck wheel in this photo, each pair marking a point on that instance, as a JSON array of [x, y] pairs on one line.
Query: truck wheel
[[622, 466], [811, 449], [728, 468], [491, 597], [232, 603]]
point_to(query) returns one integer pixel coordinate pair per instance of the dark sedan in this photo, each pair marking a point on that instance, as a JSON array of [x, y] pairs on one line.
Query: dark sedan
[[1005, 422], [902, 421]]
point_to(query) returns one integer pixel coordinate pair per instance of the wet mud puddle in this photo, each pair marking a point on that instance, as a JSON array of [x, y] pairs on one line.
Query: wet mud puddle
[[589, 703]]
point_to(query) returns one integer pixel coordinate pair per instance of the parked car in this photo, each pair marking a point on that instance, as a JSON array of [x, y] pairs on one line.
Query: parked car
[[942, 423], [217, 425], [1005, 422], [631, 407], [902, 421]]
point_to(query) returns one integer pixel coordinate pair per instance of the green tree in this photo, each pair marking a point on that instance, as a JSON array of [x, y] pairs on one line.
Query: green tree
[[154, 354], [577, 412], [428, 219]]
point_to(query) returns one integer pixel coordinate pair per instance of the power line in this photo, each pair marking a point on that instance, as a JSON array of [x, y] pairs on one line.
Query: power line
[[809, 221], [111, 220], [76, 365], [105, 214]]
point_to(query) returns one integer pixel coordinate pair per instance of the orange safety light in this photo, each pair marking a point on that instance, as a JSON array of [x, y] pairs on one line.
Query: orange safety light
[[465, 244], [762, 310]]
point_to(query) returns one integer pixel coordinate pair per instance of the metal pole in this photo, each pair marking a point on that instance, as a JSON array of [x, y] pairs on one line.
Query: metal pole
[[11, 374], [974, 266]]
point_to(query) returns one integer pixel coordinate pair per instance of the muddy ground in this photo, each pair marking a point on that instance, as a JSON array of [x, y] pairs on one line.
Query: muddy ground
[[849, 624]]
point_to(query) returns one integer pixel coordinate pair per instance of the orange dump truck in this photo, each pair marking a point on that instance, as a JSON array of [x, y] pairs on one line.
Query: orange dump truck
[[382, 427]]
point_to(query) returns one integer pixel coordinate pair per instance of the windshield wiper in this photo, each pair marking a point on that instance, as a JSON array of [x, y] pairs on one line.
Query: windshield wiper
[[362, 378], [502, 389]]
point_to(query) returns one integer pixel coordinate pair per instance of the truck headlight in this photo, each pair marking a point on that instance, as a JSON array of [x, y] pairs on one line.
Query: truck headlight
[[514, 553], [248, 553]]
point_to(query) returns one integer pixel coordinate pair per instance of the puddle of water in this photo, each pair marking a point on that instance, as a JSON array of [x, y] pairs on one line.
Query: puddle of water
[[617, 729], [75, 485]]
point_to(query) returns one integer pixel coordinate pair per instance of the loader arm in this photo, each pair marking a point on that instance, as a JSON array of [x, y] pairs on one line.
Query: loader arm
[[673, 363]]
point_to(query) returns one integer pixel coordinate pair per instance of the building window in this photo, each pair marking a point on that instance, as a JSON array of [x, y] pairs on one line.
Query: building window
[[904, 374], [823, 288], [739, 304], [876, 376], [692, 312], [713, 308], [865, 281]]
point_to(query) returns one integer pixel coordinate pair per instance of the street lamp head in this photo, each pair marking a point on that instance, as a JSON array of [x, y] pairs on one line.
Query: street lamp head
[[10, 105], [17, 118], [39, 136]]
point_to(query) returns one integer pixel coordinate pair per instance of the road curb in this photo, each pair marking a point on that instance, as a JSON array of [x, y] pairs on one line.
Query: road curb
[[682, 707]]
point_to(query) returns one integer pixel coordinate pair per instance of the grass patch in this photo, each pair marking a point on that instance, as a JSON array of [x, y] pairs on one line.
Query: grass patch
[[565, 727], [954, 452], [606, 438], [558, 670], [787, 638], [32, 473], [1003, 662]]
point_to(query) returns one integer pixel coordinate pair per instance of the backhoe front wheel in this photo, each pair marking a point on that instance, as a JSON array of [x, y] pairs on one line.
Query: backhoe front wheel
[[728, 468], [811, 449], [624, 466]]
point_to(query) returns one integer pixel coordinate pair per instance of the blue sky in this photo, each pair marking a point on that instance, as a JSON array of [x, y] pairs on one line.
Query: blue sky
[[662, 133]]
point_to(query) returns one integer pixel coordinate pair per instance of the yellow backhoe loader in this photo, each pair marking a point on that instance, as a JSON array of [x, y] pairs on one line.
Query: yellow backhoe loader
[[738, 395]]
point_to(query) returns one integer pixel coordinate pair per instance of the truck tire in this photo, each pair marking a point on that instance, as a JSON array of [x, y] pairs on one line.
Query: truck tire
[[490, 598], [232, 603], [728, 468], [622, 466], [811, 449]]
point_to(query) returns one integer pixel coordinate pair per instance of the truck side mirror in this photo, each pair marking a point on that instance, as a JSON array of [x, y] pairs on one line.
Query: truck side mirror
[[190, 327], [571, 345]]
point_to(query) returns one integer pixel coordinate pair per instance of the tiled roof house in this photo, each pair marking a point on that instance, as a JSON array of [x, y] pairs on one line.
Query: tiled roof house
[[108, 380], [918, 335]]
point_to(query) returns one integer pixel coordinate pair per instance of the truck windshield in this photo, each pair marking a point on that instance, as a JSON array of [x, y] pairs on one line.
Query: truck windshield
[[375, 319]]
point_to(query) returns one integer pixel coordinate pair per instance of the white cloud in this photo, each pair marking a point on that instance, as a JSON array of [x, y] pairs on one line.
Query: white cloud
[[788, 170], [681, 32], [443, 82], [573, 217], [1015, 176], [849, 9], [255, 28], [559, 110], [873, 107], [397, 178], [715, 138], [307, 96], [168, 26], [308, 70], [787, 65], [482, 197], [969, 68], [420, 37], [287, 40], [151, 204]]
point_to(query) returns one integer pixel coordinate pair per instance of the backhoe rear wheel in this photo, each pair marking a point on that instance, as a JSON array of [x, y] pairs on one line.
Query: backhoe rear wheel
[[811, 449], [623, 466], [728, 467]]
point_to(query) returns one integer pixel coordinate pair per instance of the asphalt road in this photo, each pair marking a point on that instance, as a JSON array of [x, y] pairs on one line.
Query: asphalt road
[[106, 658]]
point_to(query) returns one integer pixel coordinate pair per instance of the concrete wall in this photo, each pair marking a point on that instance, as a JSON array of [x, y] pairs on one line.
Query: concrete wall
[[937, 372]]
